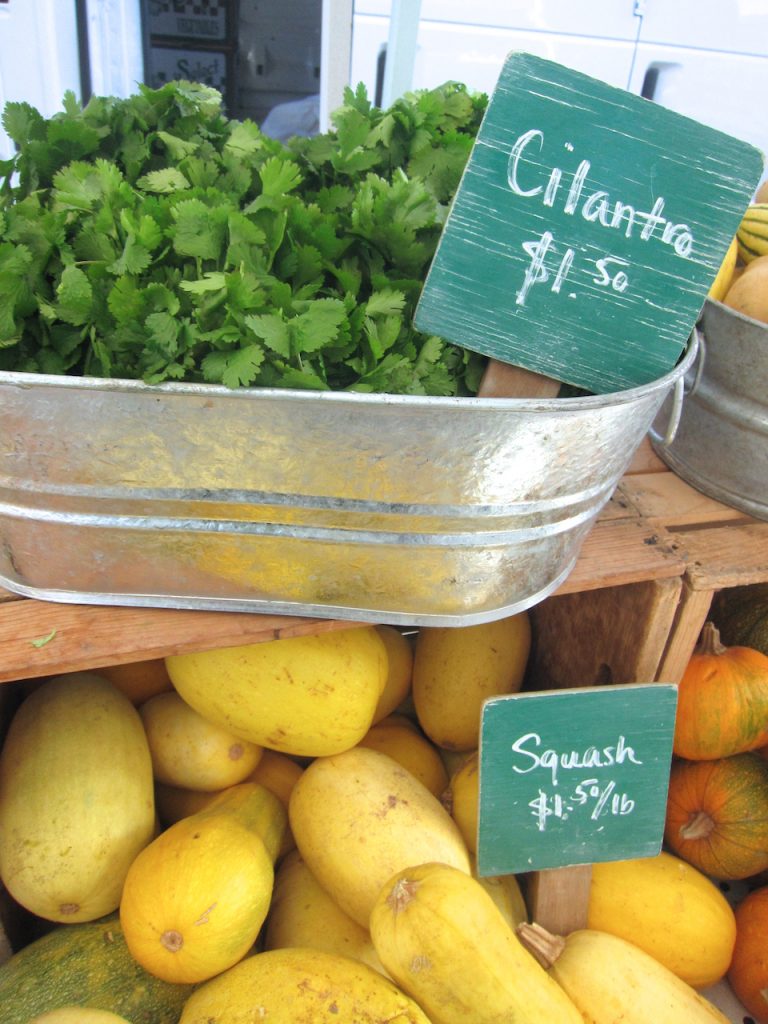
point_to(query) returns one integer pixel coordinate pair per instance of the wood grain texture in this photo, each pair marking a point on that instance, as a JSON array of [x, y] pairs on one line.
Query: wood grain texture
[[732, 557], [645, 460], [662, 497], [502, 380], [558, 898], [612, 635], [39, 638], [621, 552], [691, 614]]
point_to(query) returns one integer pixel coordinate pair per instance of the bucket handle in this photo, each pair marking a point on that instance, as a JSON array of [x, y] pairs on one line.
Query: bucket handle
[[680, 391]]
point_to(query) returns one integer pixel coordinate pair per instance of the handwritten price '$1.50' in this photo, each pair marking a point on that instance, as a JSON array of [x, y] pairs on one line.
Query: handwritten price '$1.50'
[[595, 799]]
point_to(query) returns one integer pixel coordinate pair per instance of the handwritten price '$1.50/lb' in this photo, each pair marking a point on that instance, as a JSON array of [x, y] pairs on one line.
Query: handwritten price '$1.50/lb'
[[588, 796]]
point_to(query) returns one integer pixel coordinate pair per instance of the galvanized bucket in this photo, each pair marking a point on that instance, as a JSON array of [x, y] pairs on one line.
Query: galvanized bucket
[[720, 444], [374, 508]]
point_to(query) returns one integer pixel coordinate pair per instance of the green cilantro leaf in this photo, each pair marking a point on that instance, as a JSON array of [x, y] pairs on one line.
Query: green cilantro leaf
[[75, 296], [169, 179]]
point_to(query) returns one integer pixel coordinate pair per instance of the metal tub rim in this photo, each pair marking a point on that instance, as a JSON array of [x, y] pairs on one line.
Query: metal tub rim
[[627, 396]]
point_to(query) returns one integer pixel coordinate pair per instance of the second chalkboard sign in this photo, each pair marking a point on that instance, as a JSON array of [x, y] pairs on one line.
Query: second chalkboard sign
[[574, 776], [586, 231]]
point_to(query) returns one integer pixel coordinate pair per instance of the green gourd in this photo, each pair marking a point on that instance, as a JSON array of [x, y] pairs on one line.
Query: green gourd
[[87, 965]]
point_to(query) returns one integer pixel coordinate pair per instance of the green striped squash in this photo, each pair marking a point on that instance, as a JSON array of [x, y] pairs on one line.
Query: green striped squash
[[86, 965], [752, 235]]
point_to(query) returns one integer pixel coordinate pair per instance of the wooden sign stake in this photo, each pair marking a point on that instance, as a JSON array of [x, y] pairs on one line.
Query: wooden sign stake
[[503, 380], [558, 898]]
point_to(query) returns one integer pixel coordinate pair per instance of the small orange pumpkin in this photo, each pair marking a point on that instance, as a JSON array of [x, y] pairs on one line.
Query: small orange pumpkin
[[717, 815], [748, 973], [722, 700]]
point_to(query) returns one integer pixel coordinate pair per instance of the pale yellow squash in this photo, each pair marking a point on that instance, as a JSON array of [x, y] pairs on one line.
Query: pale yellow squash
[[359, 816], [76, 798], [455, 669], [304, 914], [195, 899], [506, 893], [668, 908], [189, 751], [301, 986], [398, 737], [612, 980], [308, 695], [442, 939], [464, 798], [399, 671], [278, 772]]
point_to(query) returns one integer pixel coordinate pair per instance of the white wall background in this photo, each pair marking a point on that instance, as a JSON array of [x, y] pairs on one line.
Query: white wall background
[[39, 52]]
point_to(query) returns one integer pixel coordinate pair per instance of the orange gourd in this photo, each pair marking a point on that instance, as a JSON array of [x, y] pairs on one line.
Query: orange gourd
[[722, 702], [748, 973], [717, 815]]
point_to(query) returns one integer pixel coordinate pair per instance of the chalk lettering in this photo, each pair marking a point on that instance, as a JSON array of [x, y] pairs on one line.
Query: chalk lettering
[[597, 206], [617, 281], [553, 761]]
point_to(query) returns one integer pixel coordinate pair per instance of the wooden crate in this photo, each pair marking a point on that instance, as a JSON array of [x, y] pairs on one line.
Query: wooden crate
[[630, 611]]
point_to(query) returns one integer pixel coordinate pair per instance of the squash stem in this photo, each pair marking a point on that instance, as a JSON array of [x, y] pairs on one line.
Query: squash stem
[[541, 944], [699, 826], [709, 641]]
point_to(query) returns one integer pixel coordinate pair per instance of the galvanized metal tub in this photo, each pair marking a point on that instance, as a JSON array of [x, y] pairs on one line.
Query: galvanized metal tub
[[375, 508], [720, 444]]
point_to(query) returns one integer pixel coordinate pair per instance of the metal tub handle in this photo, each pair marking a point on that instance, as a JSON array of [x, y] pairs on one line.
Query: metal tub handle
[[680, 392]]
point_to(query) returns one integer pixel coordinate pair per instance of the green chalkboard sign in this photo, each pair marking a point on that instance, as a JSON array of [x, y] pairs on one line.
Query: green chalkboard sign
[[574, 776], [586, 231]]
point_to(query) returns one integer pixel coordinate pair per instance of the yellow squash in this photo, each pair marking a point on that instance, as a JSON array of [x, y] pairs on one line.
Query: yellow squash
[[306, 695], [719, 287], [195, 899], [464, 797], [456, 668], [612, 980], [278, 772], [191, 752], [399, 670], [303, 914], [506, 893], [443, 941], [76, 798], [300, 986], [397, 736], [668, 908], [359, 816]]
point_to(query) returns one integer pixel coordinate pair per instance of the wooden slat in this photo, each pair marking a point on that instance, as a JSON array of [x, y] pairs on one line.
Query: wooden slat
[[645, 460], [718, 558], [665, 498], [612, 635], [617, 553], [39, 638], [692, 611]]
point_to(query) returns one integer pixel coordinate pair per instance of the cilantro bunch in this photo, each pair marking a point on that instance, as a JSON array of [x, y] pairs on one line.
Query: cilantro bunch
[[154, 238]]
